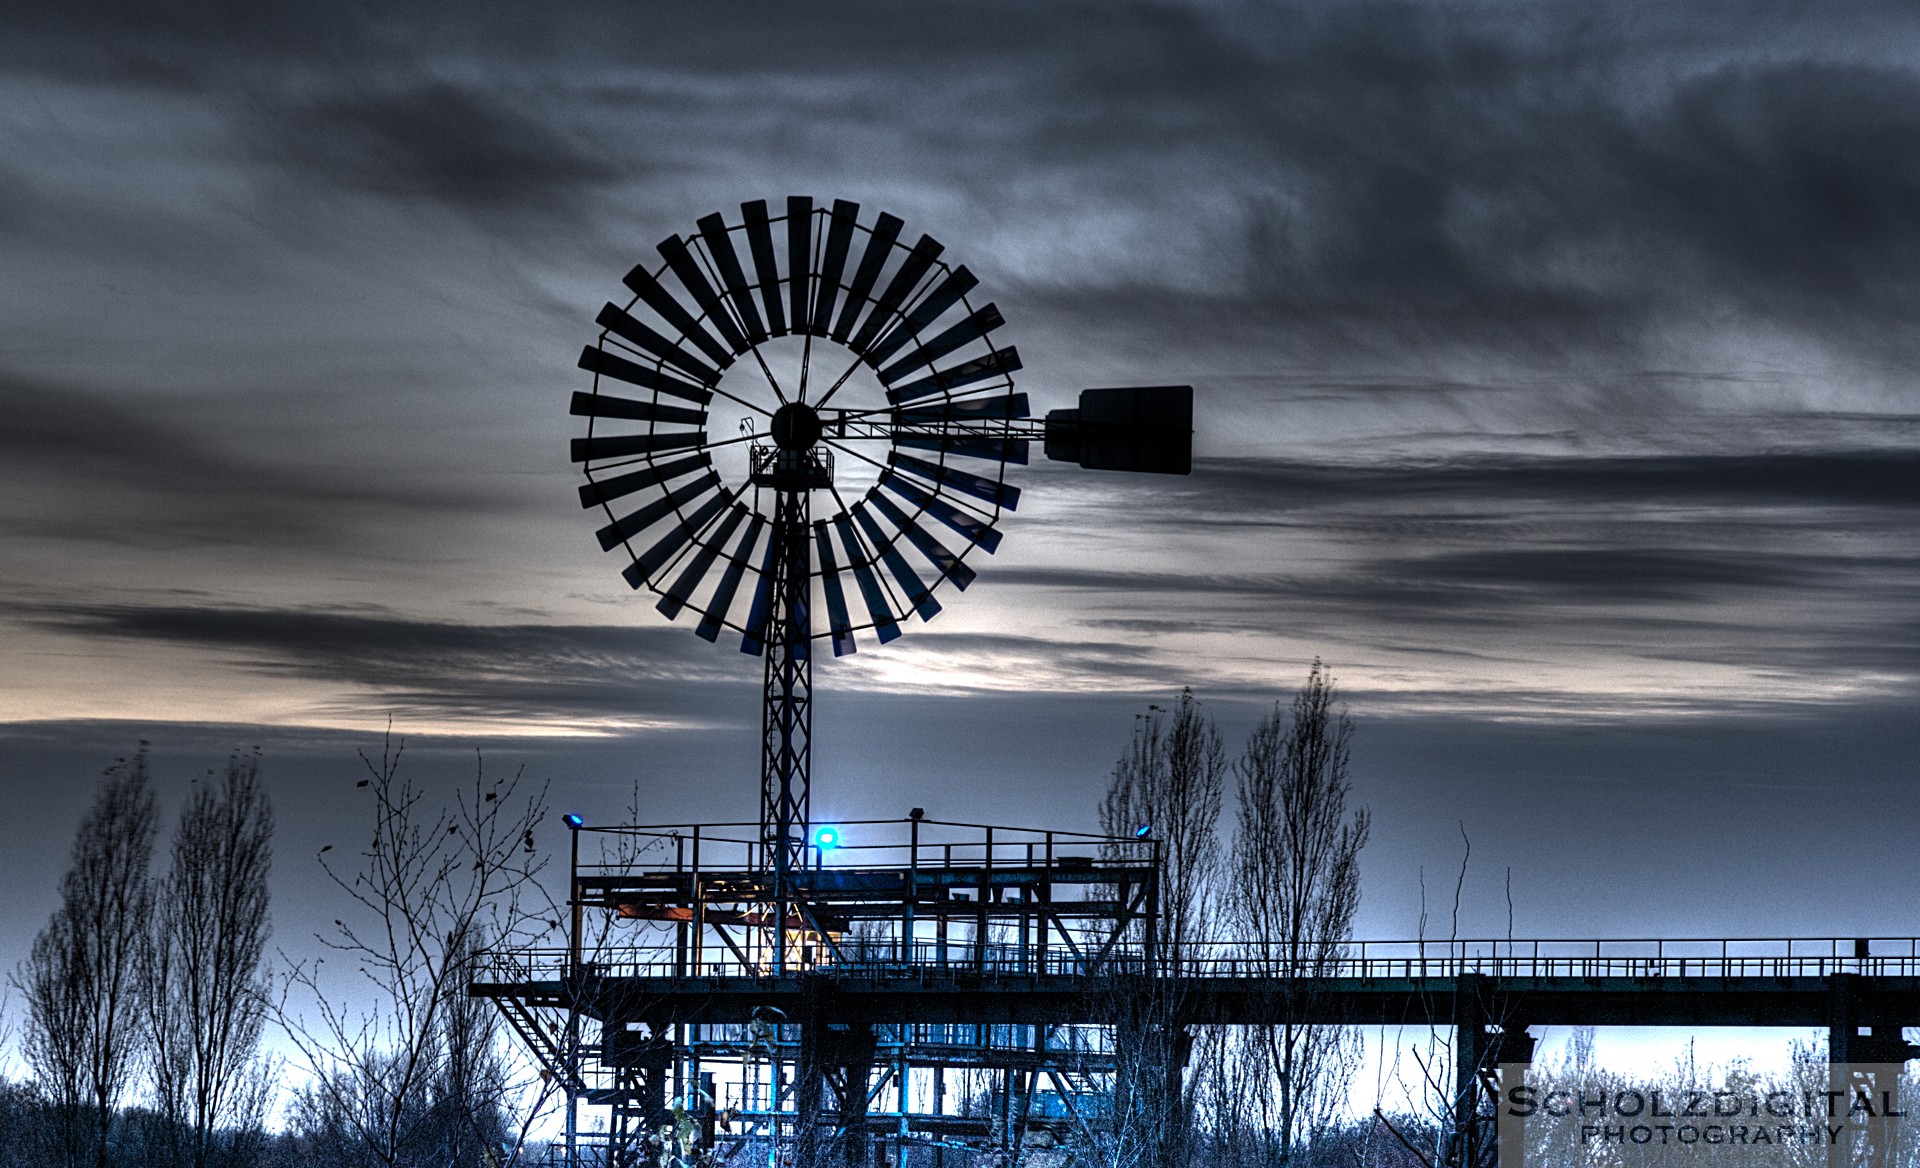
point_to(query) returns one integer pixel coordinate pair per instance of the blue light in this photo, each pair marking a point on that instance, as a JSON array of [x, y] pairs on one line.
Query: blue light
[[826, 838], [1143, 831], [573, 820]]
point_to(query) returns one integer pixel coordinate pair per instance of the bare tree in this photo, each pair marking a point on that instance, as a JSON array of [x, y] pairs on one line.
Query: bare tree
[[205, 988], [82, 1035], [1295, 888], [1169, 781], [431, 889]]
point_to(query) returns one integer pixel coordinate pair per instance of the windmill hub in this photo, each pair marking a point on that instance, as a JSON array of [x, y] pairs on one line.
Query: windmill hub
[[796, 426]]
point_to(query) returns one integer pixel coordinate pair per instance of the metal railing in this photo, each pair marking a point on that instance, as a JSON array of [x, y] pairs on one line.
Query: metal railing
[[857, 844], [1743, 957], [1621, 957]]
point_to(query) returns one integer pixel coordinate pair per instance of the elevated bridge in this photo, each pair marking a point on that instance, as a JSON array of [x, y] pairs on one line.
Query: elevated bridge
[[972, 985]]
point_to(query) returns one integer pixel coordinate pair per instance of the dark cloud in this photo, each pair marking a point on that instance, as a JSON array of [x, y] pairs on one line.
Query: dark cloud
[[440, 669], [1236, 490], [458, 145], [150, 469]]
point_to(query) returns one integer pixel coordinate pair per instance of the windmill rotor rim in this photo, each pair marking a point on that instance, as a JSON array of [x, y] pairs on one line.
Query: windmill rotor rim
[[908, 315]]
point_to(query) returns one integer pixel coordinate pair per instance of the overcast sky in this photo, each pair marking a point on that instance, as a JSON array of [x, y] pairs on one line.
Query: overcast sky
[[1554, 368]]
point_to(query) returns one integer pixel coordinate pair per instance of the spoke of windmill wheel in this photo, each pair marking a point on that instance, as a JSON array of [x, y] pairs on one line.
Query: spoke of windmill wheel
[[837, 383], [742, 402], [655, 295], [734, 441], [945, 294], [595, 494], [886, 230], [885, 625], [621, 323], [766, 272], [982, 533], [799, 260], [841, 446], [623, 529], [912, 270], [999, 494], [806, 368], [772, 381], [834, 261], [647, 564], [681, 591], [714, 616], [948, 564], [838, 623], [918, 594]]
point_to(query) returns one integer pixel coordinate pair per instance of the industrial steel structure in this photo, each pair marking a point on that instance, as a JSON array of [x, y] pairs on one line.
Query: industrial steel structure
[[920, 992], [671, 989]]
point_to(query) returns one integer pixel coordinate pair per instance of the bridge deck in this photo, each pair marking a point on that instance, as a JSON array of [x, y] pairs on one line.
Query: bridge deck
[[987, 999]]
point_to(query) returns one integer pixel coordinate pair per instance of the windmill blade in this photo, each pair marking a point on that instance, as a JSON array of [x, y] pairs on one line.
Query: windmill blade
[[603, 405], [886, 230], [981, 534], [683, 265], [655, 296], [974, 328], [606, 490], [838, 624], [992, 449], [916, 590], [765, 271], [948, 564], [885, 625], [799, 259], [715, 617], [648, 563], [839, 237], [999, 494], [754, 639], [950, 289], [998, 363], [1006, 406], [904, 281], [713, 229], [676, 597], [627, 445], [617, 321], [620, 530], [598, 360]]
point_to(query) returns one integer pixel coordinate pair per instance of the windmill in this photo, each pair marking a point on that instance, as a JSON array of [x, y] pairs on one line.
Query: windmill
[[802, 414]]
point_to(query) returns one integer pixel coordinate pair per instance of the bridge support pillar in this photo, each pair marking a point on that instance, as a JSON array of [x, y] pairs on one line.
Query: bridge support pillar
[[1866, 1055], [836, 1057], [1492, 1051], [1469, 1057]]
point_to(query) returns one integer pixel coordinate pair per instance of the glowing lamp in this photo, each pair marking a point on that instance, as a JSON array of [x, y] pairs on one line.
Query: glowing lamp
[[573, 820], [1143, 831], [826, 838]]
